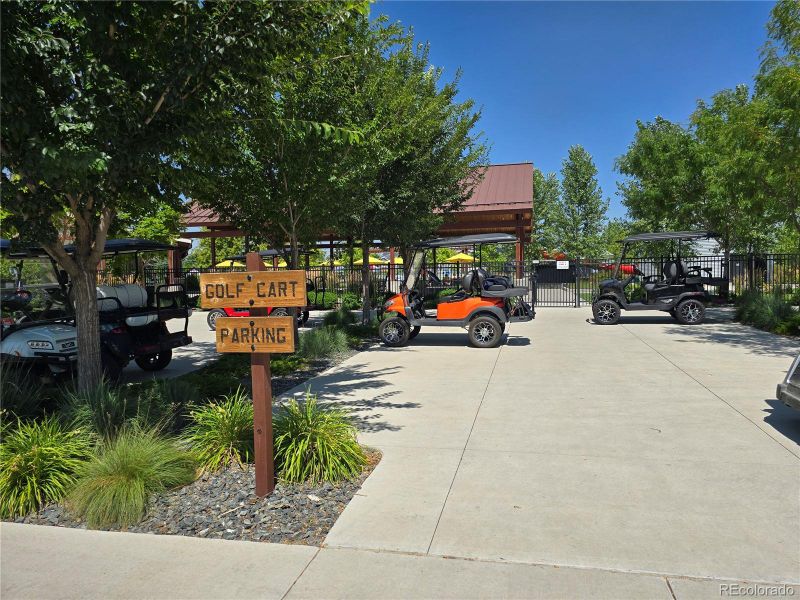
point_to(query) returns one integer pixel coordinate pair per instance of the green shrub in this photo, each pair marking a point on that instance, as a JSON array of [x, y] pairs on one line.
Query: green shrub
[[359, 331], [221, 433], [314, 444], [23, 391], [326, 300], [115, 486], [339, 318], [162, 403], [350, 301], [104, 409], [763, 311], [283, 364], [38, 460], [790, 326], [322, 342], [220, 377]]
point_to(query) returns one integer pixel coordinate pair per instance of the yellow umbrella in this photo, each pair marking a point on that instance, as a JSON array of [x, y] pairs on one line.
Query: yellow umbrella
[[460, 258], [230, 263], [372, 260]]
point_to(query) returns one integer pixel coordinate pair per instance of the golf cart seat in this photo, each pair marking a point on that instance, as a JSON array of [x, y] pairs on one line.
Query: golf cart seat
[[126, 298], [671, 274]]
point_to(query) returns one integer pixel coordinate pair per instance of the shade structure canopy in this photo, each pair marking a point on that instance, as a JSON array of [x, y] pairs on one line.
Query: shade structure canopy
[[229, 263], [398, 260], [460, 258], [468, 240], [372, 260], [668, 235]]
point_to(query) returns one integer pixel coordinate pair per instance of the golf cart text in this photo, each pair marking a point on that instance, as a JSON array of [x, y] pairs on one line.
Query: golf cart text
[[255, 334], [253, 289]]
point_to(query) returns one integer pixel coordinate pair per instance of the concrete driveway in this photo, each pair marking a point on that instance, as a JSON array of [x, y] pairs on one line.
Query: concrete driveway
[[647, 447]]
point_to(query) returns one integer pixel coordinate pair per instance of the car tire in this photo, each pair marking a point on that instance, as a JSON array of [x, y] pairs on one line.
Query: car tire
[[414, 332], [690, 312], [154, 362], [606, 312], [213, 315], [485, 332], [394, 332], [111, 365]]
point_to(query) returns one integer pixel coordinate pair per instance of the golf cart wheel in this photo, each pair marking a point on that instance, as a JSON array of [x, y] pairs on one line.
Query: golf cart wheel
[[394, 331], [302, 318], [485, 332], [111, 365], [213, 315], [414, 332], [154, 362], [606, 312], [690, 312]]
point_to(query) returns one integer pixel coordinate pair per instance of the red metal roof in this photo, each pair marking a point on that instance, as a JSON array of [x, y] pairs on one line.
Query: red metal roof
[[504, 188]]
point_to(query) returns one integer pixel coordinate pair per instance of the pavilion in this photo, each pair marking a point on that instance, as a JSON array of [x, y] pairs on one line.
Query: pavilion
[[501, 202]]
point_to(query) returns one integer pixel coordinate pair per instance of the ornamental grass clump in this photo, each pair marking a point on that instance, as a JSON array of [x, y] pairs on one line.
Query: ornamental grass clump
[[339, 318], [38, 460], [323, 342], [103, 409], [765, 311], [116, 485], [221, 433], [315, 443], [23, 391]]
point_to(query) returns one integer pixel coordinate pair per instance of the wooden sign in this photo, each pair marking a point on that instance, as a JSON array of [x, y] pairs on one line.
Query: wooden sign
[[255, 334], [253, 289]]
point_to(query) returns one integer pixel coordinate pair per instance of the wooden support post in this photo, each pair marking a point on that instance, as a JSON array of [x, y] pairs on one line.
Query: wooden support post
[[520, 255], [330, 250], [213, 252], [262, 403]]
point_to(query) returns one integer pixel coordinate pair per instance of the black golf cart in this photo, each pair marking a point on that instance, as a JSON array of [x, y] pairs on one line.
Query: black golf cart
[[678, 290]]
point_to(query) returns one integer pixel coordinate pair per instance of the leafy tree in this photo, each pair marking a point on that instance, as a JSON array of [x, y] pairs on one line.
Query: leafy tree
[[271, 175], [163, 224], [580, 214], [200, 255], [665, 169], [99, 99], [419, 156], [778, 90], [547, 196]]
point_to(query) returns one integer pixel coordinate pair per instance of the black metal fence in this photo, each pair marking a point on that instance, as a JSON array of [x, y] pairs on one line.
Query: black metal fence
[[549, 282]]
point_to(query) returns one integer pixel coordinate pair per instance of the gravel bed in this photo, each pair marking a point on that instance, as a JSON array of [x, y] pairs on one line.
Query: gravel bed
[[224, 505]]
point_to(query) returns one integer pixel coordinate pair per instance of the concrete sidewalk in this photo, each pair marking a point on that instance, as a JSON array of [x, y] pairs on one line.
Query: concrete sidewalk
[[49, 562], [643, 460]]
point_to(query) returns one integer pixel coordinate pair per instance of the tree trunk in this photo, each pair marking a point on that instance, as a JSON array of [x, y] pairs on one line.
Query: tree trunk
[[87, 322], [365, 303]]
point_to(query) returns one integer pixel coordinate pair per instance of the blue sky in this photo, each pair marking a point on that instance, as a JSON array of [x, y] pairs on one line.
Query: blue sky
[[552, 74]]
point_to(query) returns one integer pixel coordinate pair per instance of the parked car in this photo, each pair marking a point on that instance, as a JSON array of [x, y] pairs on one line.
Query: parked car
[[789, 391]]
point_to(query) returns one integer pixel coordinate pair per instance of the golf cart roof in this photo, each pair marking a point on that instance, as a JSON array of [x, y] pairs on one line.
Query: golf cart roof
[[668, 235], [4, 245], [469, 240], [128, 245]]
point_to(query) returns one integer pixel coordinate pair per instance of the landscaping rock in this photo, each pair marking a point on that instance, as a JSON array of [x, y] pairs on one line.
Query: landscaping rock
[[224, 505]]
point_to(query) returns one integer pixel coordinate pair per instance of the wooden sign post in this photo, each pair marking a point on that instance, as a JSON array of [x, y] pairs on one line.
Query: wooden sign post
[[258, 335]]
